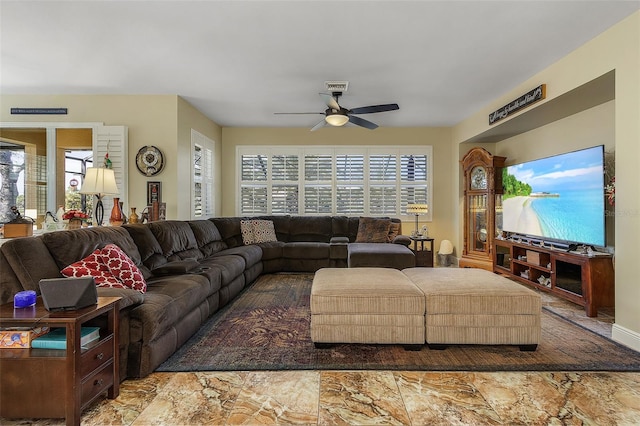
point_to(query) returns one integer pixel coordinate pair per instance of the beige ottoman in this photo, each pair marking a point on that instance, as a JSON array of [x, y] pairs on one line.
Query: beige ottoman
[[366, 305], [474, 306]]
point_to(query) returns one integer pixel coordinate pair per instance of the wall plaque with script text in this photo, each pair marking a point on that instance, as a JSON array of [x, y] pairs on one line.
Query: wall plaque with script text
[[523, 101]]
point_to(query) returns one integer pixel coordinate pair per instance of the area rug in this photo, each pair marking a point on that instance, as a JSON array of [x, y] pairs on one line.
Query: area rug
[[267, 328]]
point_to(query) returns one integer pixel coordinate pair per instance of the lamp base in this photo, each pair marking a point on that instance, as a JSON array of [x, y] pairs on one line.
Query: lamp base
[[99, 211]]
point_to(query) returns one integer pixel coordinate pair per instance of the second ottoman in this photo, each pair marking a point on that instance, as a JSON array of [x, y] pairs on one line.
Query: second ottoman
[[366, 305]]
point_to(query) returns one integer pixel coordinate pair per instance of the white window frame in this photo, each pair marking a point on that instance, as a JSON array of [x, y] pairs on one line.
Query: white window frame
[[334, 151]]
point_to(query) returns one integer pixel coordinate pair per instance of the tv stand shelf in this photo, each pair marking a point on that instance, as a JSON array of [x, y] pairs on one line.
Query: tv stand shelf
[[580, 278]]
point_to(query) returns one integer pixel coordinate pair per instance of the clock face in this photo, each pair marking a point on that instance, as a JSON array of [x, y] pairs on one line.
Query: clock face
[[478, 178], [149, 160]]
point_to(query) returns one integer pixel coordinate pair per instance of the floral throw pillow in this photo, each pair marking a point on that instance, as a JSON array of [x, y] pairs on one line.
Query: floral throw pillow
[[123, 268], [93, 266]]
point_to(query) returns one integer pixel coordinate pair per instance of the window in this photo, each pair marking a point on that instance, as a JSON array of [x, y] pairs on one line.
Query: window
[[351, 181], [202, 201]]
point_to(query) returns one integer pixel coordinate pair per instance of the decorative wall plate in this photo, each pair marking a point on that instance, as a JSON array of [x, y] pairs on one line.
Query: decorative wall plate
[[149, 160]]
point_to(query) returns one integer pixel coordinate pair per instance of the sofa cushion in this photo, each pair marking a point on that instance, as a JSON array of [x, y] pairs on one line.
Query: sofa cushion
[[208, 238], [177, 267], [231, 266], [251, 254], [148, 246], [128, 297], [380, 255], [93, 266], [21, 254], [310, 228], [373, 230], [306, 250], [168, 299], [67, 247], [123, 268], [176, 239], [229, 228], [272, 250]]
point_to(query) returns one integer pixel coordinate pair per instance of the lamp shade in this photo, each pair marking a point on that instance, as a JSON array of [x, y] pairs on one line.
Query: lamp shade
[[336, 119], [99, 180], [417, 209]]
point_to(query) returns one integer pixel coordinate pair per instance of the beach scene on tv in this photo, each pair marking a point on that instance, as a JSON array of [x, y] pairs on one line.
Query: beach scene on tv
[[558, 198]]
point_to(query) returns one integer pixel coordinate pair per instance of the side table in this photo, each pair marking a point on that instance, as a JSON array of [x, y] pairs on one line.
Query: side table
[[50, 383], [424, 256]]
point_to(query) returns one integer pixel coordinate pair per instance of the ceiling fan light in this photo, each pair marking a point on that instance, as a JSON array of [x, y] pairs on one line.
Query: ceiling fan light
[[336, 119]]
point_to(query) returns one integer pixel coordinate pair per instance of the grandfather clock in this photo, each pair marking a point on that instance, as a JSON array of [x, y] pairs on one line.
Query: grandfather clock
[[482, 207]]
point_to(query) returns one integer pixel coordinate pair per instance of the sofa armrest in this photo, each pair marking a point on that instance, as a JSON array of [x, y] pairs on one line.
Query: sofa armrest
[[339, 240], [338, 248], [402, 239]]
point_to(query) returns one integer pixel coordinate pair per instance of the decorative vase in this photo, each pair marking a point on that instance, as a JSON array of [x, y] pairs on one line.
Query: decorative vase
[[116, 218], [133, 217], [60, 214], [74, 224], [124, 216]]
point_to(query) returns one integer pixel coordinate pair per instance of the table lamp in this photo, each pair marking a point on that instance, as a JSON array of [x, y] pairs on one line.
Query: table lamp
[[417, 210], [99, 181]]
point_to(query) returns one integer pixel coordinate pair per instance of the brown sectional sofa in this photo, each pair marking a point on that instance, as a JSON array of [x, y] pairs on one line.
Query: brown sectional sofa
[[192, 269]]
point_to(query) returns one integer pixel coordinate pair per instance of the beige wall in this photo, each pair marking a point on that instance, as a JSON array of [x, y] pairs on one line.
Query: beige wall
[[441, 226], [616, 49]]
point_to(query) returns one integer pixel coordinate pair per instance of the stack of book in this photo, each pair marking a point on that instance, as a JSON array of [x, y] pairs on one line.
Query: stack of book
[[57, 338]]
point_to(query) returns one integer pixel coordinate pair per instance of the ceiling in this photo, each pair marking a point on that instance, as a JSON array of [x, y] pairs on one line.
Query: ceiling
[[238, 62]]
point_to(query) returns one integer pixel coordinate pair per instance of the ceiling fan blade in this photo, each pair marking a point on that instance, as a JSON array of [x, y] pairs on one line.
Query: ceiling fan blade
[[374, 108], [297, 113], [330, 101], [362, 122], [320, 125]]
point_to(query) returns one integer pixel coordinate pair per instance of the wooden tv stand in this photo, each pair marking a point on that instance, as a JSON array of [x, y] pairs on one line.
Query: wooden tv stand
[[580, 278]]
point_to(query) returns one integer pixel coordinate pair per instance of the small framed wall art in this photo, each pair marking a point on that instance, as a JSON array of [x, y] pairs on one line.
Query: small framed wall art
[[154, 192]]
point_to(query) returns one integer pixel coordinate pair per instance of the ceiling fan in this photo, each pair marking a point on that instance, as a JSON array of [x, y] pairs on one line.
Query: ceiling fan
[[336, 115]]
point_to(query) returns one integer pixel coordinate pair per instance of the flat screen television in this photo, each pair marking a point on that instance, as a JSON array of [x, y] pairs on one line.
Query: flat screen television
[[559, 198]]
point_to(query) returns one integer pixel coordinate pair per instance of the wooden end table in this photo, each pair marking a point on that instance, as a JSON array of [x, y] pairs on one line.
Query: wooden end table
[[50, 383], [424, 256]]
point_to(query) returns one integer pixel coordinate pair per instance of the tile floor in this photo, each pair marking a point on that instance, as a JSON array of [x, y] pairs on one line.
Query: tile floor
[[377, 397]]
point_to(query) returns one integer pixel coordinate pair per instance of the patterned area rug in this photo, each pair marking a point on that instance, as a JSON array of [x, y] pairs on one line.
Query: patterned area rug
[[267, 328]]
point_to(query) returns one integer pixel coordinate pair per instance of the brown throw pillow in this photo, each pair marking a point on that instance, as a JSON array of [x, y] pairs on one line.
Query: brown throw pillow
[[394, 230], [372, 230]]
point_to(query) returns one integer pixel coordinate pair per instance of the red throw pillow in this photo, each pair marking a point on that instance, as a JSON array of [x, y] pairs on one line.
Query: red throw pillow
[[93, 266], [123, 268]]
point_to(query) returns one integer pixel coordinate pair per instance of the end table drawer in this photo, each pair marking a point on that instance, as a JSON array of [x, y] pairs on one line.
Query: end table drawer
[[96, 384], [424, 258], [96, 356]]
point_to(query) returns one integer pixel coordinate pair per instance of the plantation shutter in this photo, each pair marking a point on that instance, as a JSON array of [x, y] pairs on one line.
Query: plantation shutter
[[113, 140], [253, 190], [413, 178], [318, 176], [350, 184], [202, 196], [382, 184]]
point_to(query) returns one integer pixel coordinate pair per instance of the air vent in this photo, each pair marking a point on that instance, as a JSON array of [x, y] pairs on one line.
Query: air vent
[[336, 86]]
